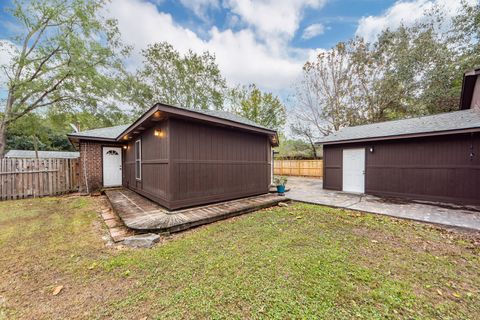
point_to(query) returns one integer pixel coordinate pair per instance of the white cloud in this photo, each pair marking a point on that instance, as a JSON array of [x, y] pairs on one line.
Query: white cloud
[[201, 7], [241, 55], [313, 30], [404, 12], [273, 18]]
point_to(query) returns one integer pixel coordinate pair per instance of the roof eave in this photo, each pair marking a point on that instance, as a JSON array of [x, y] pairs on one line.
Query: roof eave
[[404, 136], [468, 84], [193, 115], [72, 136]]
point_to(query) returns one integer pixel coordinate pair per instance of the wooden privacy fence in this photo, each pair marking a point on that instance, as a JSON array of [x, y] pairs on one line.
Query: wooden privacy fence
[[305, 168], [23, 178]]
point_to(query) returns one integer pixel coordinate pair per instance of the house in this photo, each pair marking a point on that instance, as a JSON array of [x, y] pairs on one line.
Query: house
[[178, 157], [30, 154], [434, 158]]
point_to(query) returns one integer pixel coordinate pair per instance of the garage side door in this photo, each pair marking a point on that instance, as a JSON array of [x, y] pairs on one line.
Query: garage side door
[[354, 170]]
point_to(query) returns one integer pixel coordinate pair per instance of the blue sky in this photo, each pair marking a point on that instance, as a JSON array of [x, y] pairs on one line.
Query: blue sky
[[255, 41], [340, 19]]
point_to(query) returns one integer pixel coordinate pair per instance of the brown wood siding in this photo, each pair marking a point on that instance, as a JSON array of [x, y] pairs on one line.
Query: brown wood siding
[[195, 163], [332, 167], [211, 163], [154, 182], [431, 168]]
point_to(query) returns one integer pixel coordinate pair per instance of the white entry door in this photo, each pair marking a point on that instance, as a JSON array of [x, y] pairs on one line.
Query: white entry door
[[354, 170], [112, 167]]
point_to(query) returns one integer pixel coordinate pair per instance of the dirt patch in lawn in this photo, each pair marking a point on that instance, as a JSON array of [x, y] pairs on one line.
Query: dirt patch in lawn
[[301, 261]]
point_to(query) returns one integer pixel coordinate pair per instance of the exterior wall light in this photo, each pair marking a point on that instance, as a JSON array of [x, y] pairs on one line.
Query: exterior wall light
[[158, 133], [125, 147], [371, 149]]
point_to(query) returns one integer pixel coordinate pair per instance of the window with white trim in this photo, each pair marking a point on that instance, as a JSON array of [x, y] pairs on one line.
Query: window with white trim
[[138, 160]]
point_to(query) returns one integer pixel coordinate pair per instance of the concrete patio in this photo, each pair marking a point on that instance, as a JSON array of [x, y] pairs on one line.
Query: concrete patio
[[311, 191], [140, 214]]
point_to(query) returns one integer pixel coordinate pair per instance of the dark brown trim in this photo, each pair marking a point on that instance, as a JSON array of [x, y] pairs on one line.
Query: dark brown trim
[[468, 85], [179, 204], [219, 161], [210, 118], [154, 161], [427, 167], [425, 197], [137, 122], [404, 136], [192, 114], [160, 200]]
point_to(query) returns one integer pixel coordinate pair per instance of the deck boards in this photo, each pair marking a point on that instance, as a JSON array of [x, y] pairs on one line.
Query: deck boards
[[139, 213]]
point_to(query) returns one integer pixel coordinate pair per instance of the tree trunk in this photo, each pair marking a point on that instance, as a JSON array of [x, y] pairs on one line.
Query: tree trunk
[[3, 138], [314, 151], [4, 123], [312, 144]]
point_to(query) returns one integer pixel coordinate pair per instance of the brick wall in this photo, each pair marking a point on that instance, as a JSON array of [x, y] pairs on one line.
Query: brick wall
[[91, 160]]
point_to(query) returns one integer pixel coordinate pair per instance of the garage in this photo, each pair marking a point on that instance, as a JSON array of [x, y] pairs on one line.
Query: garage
[[434, 158]]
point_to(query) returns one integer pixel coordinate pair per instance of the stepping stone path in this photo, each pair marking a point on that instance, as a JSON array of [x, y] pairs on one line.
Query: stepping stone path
[[118, 232], [147, 240]]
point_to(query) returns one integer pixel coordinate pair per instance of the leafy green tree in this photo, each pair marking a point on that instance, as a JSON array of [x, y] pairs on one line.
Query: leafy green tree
[[305, 131], [191, 80], [408, 71], [261, 107], [325, 96], [67, 57], [35, 130], [85, 120], [465, 35], [294, 149]]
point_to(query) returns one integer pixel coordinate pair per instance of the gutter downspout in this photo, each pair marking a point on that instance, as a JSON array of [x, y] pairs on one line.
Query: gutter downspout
[[85, 168]]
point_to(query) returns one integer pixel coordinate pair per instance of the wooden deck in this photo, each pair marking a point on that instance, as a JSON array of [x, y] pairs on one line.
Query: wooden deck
[[141, 214]]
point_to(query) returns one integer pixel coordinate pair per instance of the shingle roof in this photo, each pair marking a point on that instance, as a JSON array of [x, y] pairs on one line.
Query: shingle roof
[[42, 154], [105, 133], [457, 120], [114, 132], [231, 116]]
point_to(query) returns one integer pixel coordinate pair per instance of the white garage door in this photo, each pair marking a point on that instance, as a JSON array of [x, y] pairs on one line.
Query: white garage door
[[354, 170]]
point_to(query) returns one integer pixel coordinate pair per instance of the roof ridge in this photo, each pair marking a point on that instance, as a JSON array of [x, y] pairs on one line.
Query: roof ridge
[[441, 122], [404, 119], [120, 125], [207, 111]]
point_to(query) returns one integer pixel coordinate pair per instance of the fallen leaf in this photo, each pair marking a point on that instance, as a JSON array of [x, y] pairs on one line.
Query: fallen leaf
[[374, 241], [439, 292], [57, 290], [457, 295]]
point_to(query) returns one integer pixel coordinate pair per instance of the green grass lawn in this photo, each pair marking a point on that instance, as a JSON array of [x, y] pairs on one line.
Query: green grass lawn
[[302, 261]]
